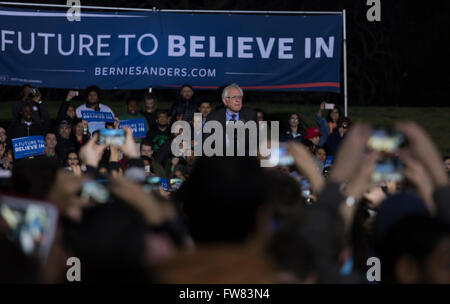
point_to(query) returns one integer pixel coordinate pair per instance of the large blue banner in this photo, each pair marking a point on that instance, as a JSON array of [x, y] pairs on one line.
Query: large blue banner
[[165, 50], [28, 146]]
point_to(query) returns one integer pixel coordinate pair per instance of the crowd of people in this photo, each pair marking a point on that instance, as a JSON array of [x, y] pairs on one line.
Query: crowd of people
[[138, 213]]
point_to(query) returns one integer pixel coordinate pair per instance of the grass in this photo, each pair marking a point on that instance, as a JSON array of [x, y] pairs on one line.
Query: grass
[[436, 121]]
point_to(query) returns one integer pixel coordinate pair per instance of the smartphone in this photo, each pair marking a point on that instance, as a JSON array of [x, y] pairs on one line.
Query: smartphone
[[387, 141], [149, 90], [32, 224], [329, 106], [306, 189], [175, 184], [112, 137], [73, 93], [94, 191], [388, 170], [279, 157]]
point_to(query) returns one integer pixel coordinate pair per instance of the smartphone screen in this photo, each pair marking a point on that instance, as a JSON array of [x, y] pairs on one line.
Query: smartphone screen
[[112, 137], [329, 106], [94, 191], [389, 169], [32, 224], [385, 141]]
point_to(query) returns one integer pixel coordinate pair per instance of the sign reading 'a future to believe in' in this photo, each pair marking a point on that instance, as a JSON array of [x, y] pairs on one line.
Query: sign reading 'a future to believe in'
[[28, 146], [158, 49]]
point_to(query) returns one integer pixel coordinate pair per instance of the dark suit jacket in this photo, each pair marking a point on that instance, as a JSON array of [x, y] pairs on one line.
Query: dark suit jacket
[[245, 115]]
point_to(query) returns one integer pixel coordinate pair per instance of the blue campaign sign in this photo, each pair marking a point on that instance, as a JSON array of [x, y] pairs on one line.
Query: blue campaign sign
[[136, 125], [90, 116], [164, 182], [135, 50], [328, 161], [28, 146]]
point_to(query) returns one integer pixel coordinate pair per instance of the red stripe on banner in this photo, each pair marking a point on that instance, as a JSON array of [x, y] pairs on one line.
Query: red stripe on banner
[[297, 86], [283, 86]]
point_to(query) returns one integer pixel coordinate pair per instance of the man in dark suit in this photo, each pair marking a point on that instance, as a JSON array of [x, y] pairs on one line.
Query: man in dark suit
[[233, 111]]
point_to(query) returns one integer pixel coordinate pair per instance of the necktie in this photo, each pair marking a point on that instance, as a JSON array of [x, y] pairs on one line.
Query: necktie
[[233, 118]]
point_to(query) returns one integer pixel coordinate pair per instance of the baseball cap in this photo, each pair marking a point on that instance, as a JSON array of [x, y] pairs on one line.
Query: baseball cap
[[312, 132]]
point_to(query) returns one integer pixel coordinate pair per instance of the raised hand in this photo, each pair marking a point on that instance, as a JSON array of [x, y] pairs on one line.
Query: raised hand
[[91, 153]]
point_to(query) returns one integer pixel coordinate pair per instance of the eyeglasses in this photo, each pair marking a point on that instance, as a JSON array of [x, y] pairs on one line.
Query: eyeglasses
[[234, 98]]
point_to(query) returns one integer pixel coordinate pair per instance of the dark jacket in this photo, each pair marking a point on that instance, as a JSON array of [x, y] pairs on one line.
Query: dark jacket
[[64, 146], [333, 141], [19, 128], [150, 117], [62, 113], [245, 115], [186, 109], [39, 112], [287, 136]]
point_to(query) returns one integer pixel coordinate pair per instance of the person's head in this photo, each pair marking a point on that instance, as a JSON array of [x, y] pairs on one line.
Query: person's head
[[259, 115], [344, 124], [162, 119], [34, 177], [25, 90], [9, 154], [3, 135], [334, 115], [146, 149], [78, 130], [235, 194], [186, 91], [72, 159], [93, 93], [294, 120], [446, 162], [415, 250], [205, 108], [64, 129], [25, 113], [321, 154], [71, 112], [111, 243], [150, 102], [313, 135], [232, 96], [132, 106], [50, 141]]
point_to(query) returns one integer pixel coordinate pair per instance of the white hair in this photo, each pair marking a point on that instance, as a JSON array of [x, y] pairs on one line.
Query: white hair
[[234, 85]]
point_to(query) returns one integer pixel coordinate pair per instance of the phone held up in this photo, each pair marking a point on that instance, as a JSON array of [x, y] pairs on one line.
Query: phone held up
[[387, 141], [112, 137]]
